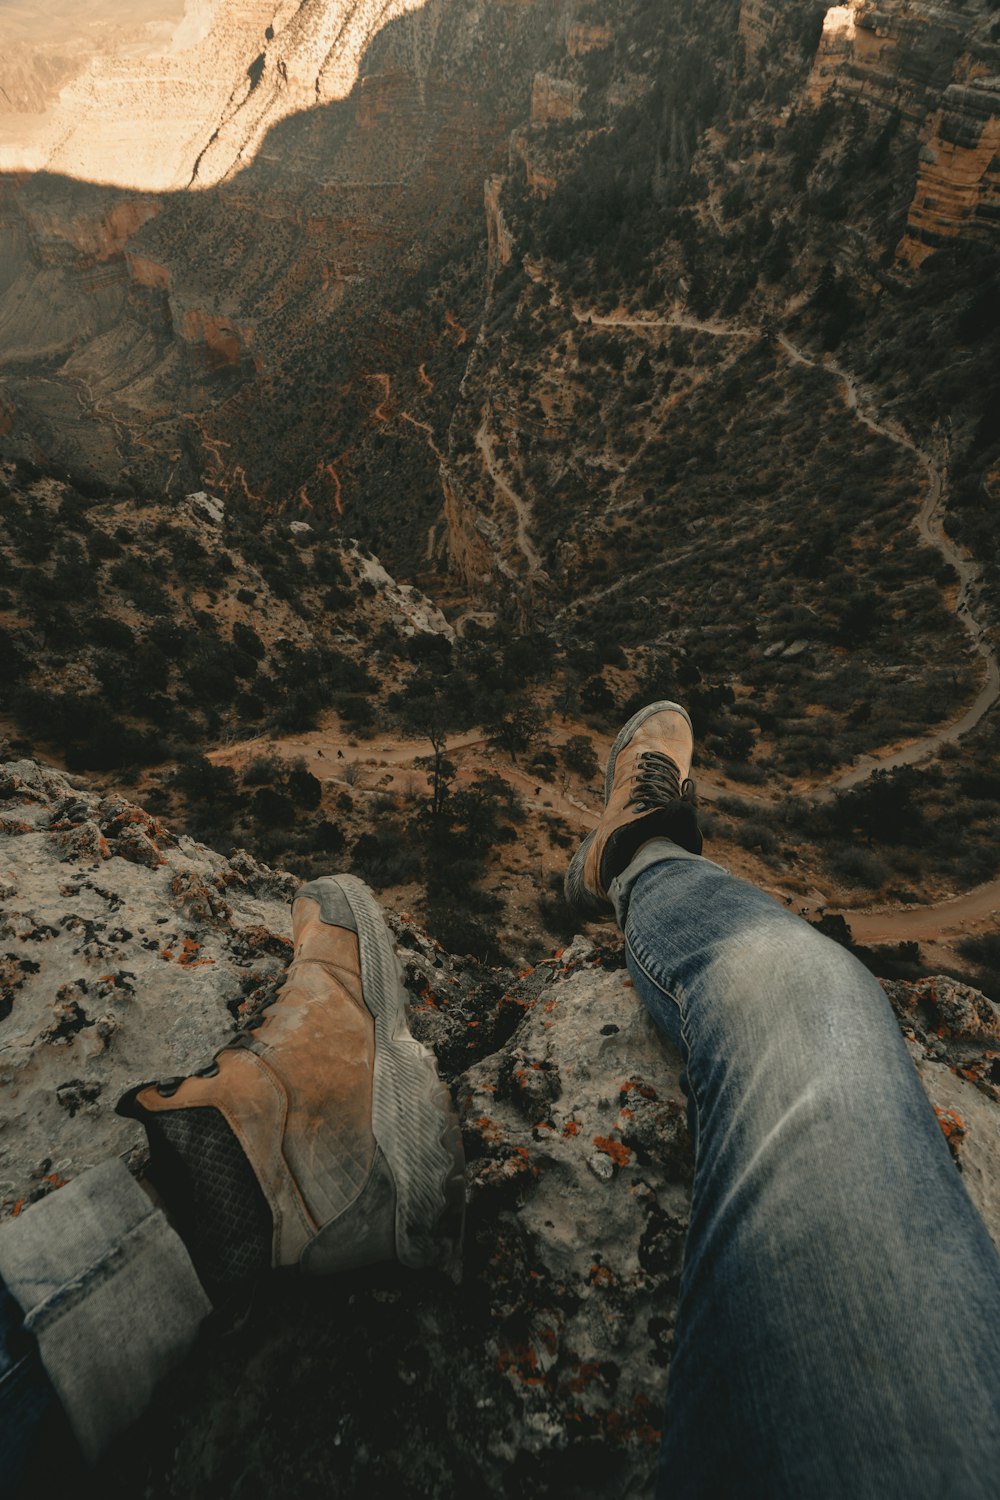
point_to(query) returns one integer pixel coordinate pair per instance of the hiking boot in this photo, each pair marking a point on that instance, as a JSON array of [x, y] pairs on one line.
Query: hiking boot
[[322, 1137], [647, 794]]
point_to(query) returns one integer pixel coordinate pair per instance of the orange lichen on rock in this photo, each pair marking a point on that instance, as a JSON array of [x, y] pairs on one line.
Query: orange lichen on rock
[[520, 1361], [617, 1150], [188, 955], [954, 1128]]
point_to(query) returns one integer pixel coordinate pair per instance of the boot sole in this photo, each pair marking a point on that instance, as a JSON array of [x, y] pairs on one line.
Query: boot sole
[[579, 897], [413, 1118]]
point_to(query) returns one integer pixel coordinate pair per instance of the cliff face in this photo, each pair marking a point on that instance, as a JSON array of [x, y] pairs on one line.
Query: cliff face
[[133, 954], [958, 187], [935, 67], [336, 147], [351, 142]]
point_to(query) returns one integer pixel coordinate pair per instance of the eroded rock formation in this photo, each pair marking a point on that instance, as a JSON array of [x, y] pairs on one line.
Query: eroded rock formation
[[935, 67]]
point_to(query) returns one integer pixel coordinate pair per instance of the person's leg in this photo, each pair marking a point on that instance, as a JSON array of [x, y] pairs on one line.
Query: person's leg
[[838, 1328], [109, 1299], [26, 1395]]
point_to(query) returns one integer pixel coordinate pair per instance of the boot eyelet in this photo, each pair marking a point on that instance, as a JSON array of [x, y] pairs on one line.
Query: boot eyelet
[[211, 1071], [167, 1087]]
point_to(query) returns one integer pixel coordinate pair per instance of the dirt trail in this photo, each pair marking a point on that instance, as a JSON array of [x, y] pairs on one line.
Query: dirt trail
[[677, 319], [941, 921], [484, 442], [979, 907], [375, 765], [957, 917], [929, 523]]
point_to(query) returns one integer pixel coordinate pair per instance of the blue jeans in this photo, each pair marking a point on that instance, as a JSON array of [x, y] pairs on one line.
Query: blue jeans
[[838, 1327], [26, 1397]]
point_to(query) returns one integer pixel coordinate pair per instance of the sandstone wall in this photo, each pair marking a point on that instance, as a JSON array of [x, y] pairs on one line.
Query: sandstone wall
[[940, 71], [553, 100], [958, 183]]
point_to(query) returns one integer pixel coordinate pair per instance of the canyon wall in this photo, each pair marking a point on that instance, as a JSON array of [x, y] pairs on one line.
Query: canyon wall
[[938, 69], [227, 335]]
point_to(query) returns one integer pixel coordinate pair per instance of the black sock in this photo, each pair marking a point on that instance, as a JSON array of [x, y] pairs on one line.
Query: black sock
[[211, 1195]]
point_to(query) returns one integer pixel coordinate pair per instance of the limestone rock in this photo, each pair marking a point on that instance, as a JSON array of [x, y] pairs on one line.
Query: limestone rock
[[123, 961]]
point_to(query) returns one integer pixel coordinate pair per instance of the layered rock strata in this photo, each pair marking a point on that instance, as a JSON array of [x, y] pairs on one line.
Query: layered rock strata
[[937, 69]]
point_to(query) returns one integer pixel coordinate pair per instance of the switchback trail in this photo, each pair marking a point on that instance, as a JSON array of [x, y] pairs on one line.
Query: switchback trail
[[931, 531], [979, 906], [928, 521], [374, 765], [484, 442], [943, 920]]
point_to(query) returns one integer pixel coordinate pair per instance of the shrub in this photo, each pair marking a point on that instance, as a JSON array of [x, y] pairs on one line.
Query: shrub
[[328, 838], [304, 788], [857, 866], [272, 809]]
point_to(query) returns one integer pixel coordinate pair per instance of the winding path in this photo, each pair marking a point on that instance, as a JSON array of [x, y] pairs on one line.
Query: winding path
[[979, 906], [943, 920], [930, 527], [677, 319], [928, 521], [484, 442]]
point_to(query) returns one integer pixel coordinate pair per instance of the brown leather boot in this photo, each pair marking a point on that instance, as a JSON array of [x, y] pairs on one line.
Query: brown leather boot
[[647, 794], [323, 1138]]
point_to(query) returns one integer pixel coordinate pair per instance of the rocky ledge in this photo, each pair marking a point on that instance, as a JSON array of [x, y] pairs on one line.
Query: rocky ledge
[[129, 953]]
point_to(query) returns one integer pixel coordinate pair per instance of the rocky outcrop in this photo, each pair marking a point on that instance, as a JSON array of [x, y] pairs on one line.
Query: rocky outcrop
[[127, 951], [758, 19], [212, 339], [130, 953], [525, 149], [958, 182], [583, 37], [500, 241], [553, 100], [471, 553], [934, 68]]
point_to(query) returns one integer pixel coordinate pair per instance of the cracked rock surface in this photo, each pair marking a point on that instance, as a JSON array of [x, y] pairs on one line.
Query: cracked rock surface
[[542, 1373], [125, 954]]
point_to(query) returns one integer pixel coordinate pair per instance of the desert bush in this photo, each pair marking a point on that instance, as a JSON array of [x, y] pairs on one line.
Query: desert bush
[[757, 836], [382, 857], [984, 952], [858, 866]]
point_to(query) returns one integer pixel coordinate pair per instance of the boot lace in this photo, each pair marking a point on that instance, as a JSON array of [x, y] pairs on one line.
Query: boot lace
[[658, 782]]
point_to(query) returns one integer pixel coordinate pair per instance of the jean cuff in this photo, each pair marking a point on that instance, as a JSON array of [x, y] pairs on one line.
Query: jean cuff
[[653, 852], [109, 1293]]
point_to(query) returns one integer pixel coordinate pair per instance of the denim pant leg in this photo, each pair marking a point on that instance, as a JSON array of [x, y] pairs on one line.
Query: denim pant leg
[[838, 1327], [26, 1395], [108, 1297]]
